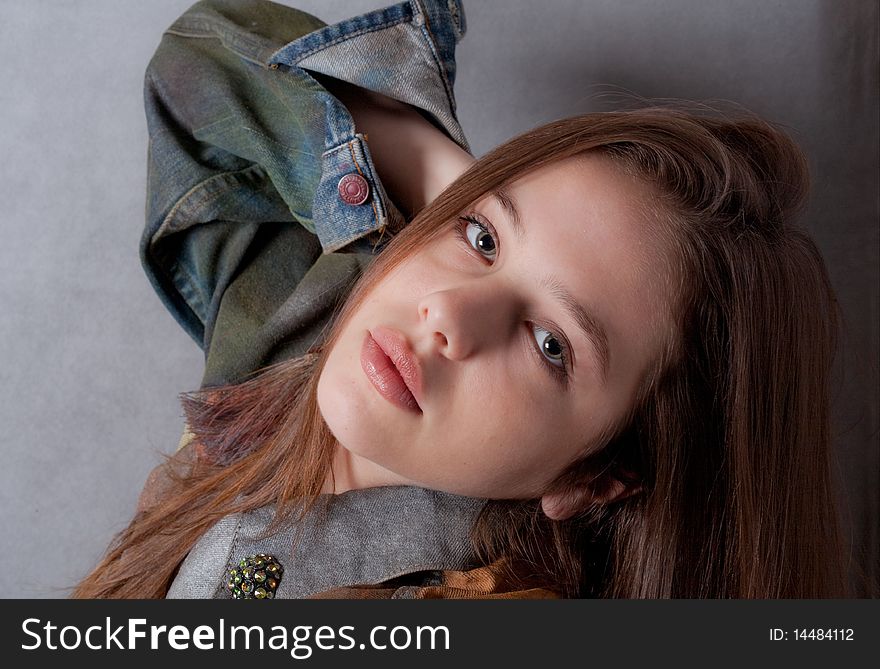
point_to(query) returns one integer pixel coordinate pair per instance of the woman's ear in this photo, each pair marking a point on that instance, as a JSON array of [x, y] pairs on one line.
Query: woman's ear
[[565, 504]]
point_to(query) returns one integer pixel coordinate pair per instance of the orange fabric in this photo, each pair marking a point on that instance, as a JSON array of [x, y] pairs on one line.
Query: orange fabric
[[490, 582]]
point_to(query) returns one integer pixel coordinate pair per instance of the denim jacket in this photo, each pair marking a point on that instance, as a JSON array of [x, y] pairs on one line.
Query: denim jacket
[[249, 241]]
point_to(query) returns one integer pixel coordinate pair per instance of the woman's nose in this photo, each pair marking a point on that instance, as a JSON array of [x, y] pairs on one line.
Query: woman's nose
[[459, 321]]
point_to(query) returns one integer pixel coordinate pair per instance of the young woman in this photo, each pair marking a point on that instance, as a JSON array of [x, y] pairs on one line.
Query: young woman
[[595, 362]]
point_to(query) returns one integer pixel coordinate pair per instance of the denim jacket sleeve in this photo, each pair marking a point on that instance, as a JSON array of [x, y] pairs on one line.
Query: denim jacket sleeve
[[248, 240]]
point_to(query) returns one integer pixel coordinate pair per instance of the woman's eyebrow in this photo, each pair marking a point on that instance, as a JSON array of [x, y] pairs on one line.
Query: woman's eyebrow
[[590, 326], [509, 205]]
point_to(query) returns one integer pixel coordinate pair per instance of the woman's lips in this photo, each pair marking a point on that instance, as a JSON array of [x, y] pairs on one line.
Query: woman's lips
[[382, 372]]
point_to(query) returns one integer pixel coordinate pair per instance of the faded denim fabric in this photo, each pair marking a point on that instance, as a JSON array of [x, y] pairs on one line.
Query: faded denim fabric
[[247, 240]]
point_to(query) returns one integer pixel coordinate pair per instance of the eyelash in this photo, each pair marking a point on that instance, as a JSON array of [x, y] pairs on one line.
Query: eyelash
[[557, 373]]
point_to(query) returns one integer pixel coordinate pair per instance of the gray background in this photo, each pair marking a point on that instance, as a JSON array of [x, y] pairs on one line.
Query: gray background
[[90, 362]]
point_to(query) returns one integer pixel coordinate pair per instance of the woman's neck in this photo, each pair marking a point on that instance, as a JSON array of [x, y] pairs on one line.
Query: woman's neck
[[352, 472]]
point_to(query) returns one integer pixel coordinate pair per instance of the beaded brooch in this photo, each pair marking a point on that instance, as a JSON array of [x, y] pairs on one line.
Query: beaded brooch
[[255, 577]]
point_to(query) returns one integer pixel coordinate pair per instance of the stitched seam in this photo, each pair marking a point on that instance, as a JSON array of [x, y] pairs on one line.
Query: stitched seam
[[229, 562], [432, 45], [424, 15], [328, 152]]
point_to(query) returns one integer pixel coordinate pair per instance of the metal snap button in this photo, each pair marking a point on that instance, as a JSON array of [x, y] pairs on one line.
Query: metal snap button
[[353, 189]]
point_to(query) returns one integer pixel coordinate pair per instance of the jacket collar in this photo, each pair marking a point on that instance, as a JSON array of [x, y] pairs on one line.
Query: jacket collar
[[359, 537], [375, 51]]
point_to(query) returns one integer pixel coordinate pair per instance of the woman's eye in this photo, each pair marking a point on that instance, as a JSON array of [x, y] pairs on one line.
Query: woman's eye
[[551, 350], [479, 237], [550, 346]]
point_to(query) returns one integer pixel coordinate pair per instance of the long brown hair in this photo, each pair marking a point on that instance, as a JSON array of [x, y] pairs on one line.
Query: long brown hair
[[729, 435]]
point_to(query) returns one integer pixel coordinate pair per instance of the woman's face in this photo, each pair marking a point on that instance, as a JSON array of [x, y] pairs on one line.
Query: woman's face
[[504, 317]]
